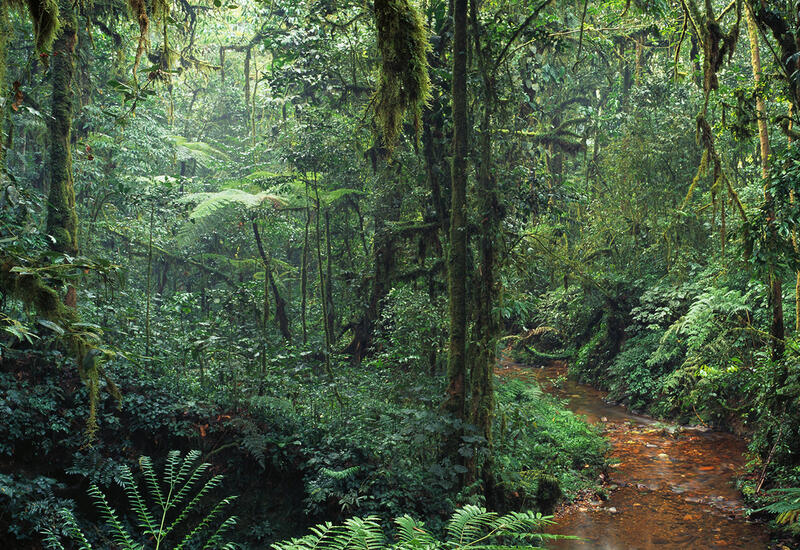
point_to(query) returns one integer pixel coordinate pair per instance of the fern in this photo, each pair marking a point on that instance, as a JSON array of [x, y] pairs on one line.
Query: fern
[[340, 474], [707, 326], [174, 496], [787, 506], [470, 527], [214, 210], [202, 152]]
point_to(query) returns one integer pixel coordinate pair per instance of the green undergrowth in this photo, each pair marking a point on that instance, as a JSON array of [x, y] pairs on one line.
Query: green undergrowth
[[294, 455], [540, 442]]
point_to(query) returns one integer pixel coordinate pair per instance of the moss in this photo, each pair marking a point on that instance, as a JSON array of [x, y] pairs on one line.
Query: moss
[[34, 293], [5, 31], [138, 10], [44, 14], [404, 84], [62, 221]]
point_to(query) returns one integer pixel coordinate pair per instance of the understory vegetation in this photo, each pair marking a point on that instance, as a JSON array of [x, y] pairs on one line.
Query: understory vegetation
[[292, 240]]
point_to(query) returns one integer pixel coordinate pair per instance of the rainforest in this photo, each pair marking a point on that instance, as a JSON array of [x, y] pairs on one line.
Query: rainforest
[[399, 274]]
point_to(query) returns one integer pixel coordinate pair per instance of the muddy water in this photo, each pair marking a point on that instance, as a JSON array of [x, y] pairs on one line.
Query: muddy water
[[668, 489]]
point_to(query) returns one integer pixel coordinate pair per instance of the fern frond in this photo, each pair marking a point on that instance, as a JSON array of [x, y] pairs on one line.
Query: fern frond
[[212, 210], [119, 534], [189, 484], [362, 534], [173, 459], [471, 527], [468, 524], [205, 523], [200, 151], [150, 480], [146, 520], [189, 508], [215, 541], [309, 542], [340, 474], [412, 533], [53, 542], [787, 505]]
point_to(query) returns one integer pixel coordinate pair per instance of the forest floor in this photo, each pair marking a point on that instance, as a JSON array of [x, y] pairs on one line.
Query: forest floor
[[668, 488]]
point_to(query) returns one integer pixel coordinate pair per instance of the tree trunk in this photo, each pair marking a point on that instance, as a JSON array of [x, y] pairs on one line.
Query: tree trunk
[[775, 283], [331, 317], [5, 32], [387, 210], [322, 292], [62, 221], [280, 303], [486, 325], [457, 257], [304, 273]]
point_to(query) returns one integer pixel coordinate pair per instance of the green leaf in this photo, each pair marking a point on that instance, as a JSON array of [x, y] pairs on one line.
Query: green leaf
[[52, 326]]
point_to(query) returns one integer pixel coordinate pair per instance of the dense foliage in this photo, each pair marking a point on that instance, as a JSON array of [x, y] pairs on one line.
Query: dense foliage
[[298, 235]]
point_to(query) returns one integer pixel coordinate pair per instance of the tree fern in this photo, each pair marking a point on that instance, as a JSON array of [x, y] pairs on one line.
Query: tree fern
[[200, 151], [213, 210], [174, 497]]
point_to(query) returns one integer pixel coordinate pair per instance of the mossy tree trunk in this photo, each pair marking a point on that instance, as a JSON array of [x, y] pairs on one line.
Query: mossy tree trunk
[[486, 325], [435, 146], [775, 283], [62, 220], [5, 32], [455, 397]]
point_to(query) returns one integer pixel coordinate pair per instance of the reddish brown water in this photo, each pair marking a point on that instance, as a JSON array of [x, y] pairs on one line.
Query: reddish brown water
[[669, 488]]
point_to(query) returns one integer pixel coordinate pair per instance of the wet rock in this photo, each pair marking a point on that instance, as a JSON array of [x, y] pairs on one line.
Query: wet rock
[[671, 431]]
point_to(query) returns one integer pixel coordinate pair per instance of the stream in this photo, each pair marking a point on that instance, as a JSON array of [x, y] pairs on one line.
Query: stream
[[670, 487]]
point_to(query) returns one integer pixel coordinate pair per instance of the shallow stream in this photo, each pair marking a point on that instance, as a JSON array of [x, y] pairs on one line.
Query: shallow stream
[[669, 488]]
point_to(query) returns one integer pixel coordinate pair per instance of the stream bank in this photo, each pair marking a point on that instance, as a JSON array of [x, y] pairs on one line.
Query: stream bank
[[669, 487]]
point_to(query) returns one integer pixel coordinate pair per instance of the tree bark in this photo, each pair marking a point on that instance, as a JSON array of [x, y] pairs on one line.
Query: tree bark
[[454, 402], [62, 221], [5, 32], [775, 283]]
